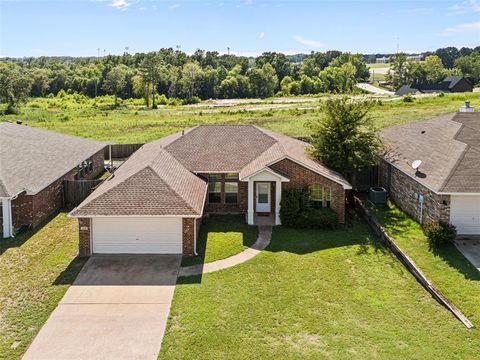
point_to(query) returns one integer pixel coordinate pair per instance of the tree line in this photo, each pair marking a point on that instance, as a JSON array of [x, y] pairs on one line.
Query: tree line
[[174, 74], [435, 67]]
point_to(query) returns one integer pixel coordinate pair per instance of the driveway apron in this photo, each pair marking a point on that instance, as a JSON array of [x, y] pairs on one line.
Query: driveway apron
[[117, 308]]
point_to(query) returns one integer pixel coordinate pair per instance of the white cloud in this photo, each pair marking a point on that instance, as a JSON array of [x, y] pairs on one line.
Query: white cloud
[[465, 7], [462, 28], [308, 42], [261, 35], [174, 6], [120, 4]]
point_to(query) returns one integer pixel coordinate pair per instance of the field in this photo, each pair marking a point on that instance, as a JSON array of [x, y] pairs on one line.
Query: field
[[378, 66], [132, 123]]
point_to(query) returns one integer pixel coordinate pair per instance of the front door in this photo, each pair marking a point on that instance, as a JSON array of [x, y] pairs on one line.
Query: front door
[[263, 197]]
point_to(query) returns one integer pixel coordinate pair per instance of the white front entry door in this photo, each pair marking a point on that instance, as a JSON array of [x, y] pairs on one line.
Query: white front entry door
[[263, 197]]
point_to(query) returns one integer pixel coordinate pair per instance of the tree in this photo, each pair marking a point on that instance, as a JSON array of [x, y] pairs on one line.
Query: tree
[[151, 71], [15, 85], [115, 81], [433, 68], [264, 81], [191, 76], [345, 138], [470, 67], [397, 75], [448, 56]]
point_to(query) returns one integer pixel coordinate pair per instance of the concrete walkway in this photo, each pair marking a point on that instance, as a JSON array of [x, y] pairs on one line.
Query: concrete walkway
[[264, 236], [373, 89], [117, 309]]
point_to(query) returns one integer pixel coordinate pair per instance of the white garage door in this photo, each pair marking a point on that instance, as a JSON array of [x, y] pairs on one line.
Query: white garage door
[[465, 214], [137, 235]]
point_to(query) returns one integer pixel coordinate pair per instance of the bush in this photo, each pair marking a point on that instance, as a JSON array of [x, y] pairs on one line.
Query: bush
[[408, 98], [295, 212], [439, 233]]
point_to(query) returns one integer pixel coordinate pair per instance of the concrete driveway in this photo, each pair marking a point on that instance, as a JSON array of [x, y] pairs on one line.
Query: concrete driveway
[[116, 309], [470, 248]]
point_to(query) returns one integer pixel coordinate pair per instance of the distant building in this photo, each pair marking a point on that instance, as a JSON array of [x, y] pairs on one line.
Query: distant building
[[382, 60], [451, 84]]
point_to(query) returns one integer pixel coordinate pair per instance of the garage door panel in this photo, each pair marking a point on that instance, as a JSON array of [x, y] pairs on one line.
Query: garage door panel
[[465, 214], [137, 235]]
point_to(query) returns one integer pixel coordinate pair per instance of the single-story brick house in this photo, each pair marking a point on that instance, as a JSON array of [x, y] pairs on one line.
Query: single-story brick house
[[446, 186], [154, 201], [33, 165]]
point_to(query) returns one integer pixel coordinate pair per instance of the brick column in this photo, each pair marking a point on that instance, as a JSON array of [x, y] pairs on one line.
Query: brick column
[[188, 236], [84, 233]]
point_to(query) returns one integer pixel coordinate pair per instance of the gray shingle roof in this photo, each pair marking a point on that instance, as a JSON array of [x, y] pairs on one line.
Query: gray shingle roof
[[159, 178], [449, 147], [32, 158]]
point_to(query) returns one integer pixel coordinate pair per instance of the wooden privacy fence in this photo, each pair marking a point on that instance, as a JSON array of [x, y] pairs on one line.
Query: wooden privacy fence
[[121, 151], [365, 178], [409, 264], [75, 191]]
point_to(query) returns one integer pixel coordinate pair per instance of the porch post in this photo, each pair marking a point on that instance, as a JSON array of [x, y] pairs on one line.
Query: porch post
[[278, 198], [250, 214], [7, 217]]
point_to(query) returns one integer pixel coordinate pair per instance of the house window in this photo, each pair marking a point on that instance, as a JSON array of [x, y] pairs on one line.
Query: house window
[[84, 168], [231, 193], [320, 196], [215, 192], [316, 196]]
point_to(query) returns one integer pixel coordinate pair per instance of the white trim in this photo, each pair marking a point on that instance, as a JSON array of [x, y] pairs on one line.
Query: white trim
[[278, 199], [7, 218], [250, 211], [134, 216], [345, 186], [282, 178]]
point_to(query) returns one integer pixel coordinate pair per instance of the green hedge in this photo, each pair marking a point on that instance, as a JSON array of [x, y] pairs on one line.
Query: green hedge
[[295, 212]]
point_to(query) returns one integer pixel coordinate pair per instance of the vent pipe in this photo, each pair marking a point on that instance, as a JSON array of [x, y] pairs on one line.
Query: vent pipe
[[467, 108]]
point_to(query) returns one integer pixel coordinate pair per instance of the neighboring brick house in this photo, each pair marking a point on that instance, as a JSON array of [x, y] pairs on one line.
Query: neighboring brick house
[[154, 202], [33, 165], [446, 186]]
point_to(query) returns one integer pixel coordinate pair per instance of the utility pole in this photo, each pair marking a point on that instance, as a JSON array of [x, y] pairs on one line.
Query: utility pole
[[228, 51], [98, 52], [126, 50]]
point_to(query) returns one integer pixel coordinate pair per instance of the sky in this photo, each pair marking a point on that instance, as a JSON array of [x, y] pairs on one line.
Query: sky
[[246, 27]]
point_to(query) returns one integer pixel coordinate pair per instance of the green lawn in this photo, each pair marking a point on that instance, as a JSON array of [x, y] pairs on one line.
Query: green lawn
[[446, 267], [313, 295], [377, 66], [36, 268], [222, 236], [131, 124]]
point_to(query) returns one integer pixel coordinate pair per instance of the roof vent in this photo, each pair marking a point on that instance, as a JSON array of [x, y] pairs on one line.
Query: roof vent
[[467, 108]]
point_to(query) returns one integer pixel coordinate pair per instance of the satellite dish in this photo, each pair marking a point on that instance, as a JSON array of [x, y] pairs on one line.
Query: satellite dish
[[416, 164]]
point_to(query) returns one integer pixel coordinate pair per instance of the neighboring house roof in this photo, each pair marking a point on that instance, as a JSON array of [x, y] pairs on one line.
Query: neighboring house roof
[[159, 178], [446, 85], [150, 183], [32, 158], [449, 147]]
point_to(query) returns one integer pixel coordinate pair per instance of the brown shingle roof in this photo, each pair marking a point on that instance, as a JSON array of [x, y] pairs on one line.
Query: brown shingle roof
[[449, 147], [150, 183], [158, 179], [32, 158]]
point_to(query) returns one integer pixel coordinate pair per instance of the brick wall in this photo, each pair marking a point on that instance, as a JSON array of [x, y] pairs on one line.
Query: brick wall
[[84, 234], [301, 177], [401, 188], [33, 210], [188, 236]]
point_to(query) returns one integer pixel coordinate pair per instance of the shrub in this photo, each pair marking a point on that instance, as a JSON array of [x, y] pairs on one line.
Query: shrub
[[408, 98], [439, 233], [295, 212]]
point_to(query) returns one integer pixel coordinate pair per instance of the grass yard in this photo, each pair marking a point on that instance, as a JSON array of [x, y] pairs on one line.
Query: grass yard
[[313, 295], [132, 124], [36, 268], [446, 267], [222, 236], [378, 66]]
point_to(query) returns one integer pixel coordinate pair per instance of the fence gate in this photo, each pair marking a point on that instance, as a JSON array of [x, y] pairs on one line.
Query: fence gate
[[75, 191]]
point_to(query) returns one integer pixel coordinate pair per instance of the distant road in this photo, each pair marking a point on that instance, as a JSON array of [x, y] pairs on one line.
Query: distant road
[[374, 89]]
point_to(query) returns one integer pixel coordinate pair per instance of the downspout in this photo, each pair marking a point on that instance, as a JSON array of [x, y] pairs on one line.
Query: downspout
[[195, 237]]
